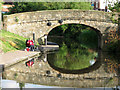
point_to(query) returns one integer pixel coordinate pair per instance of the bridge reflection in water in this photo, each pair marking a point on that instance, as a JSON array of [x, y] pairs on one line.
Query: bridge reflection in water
[[43, 72]]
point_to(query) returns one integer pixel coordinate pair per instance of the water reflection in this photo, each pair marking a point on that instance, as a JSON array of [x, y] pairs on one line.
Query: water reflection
[[74, 65], [73, 56], [41, 73], [13, 84], [92, 61], [30, 62]]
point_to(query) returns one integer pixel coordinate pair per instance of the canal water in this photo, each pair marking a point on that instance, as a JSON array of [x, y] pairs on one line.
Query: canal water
[[75, 64]]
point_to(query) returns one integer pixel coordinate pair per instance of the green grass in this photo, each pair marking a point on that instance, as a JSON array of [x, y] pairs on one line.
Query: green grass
[[10, 41]]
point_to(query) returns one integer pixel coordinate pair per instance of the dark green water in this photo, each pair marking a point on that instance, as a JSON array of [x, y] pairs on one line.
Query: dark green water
[[72, 55]]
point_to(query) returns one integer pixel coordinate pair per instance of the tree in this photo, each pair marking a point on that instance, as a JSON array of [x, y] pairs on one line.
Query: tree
[[115, 46], [116, 8], [37, 6]]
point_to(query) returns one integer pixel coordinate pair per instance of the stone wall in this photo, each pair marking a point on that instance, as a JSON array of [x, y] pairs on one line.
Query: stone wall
[[26, 23]]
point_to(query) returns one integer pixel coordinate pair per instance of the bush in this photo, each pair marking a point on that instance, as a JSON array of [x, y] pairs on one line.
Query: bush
[[113, 46]]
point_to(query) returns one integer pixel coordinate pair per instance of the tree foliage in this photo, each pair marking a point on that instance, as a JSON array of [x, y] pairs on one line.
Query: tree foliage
[[77, 32], [0, 5], [114, 46], [116, 8], [37, 6]]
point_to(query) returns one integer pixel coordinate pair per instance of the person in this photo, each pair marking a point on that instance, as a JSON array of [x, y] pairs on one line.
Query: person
[[30, 44], [30, 63], [27, 49]]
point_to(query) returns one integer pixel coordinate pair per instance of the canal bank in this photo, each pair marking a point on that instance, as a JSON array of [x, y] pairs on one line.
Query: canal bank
[[14, 57]]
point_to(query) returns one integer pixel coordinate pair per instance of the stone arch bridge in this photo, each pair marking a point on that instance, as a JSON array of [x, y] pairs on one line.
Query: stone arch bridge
[[42, 22]]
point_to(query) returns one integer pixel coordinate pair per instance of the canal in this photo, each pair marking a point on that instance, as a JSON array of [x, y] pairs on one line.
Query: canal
[[78, 63], [70, 66]]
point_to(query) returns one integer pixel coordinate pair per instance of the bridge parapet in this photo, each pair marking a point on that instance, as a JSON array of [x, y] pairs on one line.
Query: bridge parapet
[[53, 15]]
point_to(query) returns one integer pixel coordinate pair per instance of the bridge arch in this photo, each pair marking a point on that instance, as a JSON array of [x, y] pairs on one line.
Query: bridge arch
[[96, 29], [99, 34]]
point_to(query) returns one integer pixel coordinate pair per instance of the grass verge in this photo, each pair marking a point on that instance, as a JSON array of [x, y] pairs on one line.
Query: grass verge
[[10, 41]]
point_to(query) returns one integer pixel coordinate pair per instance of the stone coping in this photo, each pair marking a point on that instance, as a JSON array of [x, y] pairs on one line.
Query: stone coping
[[60, 10]]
